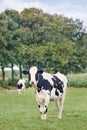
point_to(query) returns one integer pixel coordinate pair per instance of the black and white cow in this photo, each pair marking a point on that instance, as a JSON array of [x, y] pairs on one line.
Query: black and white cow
[[21, 85], [48, 87]]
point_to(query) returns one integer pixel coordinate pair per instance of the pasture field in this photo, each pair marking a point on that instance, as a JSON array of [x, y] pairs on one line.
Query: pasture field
[[20, 112]]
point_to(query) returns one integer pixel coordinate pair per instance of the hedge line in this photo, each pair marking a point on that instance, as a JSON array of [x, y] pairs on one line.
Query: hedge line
[[8, 84], [77, 80], [74, 80]]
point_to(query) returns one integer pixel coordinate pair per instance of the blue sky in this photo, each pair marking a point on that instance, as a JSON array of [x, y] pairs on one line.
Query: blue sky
[[69, 8]]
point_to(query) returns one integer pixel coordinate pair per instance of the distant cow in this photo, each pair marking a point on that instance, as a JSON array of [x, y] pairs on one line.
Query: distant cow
[[49, 87], [21, 85]]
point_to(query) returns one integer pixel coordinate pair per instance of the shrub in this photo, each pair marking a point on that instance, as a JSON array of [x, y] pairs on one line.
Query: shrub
[[12, 82], [7, 84], [4, 84], [77, 80]]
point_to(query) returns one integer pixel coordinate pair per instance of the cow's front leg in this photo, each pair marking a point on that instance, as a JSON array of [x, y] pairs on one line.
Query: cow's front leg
[[47, 100], [42, 111], [43, 102], [44, 107]]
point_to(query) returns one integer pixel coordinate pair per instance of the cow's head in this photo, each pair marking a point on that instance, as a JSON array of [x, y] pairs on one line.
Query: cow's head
[[33, 74], [20, 88]]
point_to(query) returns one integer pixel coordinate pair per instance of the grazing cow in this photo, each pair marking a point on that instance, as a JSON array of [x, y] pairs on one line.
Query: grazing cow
[[21, 85], [48, 87]]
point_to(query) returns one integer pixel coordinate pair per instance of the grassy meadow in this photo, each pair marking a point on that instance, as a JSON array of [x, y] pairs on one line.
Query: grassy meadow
[[20, 112]]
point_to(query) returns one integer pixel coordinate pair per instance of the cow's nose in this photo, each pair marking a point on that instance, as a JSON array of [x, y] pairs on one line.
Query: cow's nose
[[32, 82]]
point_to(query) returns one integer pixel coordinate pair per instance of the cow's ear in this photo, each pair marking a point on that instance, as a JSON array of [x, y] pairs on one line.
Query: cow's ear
[[25, 72], [40, 71]]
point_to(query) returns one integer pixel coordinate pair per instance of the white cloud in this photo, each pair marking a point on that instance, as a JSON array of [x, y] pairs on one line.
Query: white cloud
[[17, 5], [69, 10], [66, 8]]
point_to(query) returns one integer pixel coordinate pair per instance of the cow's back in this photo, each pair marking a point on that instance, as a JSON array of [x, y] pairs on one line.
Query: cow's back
[[62, 77]]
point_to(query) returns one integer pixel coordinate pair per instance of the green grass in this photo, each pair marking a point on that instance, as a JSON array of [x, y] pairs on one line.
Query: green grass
[[20, 112]]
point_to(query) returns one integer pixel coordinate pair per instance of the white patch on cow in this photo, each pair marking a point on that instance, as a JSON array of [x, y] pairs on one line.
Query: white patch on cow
[[33, 71], [41, 96], [43, 116], [53, 96], [48, 77]]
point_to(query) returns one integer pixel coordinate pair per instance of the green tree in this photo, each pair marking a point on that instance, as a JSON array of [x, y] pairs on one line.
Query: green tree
[[33, 37]]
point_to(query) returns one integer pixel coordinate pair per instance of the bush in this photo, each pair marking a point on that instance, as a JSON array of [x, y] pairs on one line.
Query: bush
[[7, 84], [77, 80], [12, 82], [4, 84]]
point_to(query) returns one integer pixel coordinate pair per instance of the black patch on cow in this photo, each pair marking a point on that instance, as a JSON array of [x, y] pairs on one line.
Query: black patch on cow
[[20, 86], [58, 84], [46, 109], [39, 106], [38, 73], [56, 92], [25, 72], [43, 84]]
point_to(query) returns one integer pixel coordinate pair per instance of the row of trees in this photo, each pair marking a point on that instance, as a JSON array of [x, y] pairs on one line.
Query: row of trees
[[33, 37]]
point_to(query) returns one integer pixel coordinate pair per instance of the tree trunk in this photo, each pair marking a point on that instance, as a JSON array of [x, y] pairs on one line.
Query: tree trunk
[[3, 73], [20, 71], [12, 70]]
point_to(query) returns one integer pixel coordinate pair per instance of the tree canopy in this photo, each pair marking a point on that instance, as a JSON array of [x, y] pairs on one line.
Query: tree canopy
[[52, 42]]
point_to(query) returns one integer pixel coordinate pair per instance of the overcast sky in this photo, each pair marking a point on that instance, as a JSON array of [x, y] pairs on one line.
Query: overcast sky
[[69, 8]]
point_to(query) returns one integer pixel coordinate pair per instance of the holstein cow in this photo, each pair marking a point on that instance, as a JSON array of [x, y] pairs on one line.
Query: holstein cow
[[48, 87], [21, 85]]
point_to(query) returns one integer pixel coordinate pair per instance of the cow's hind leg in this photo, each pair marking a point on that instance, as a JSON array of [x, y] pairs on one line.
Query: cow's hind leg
[[59, 104]]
